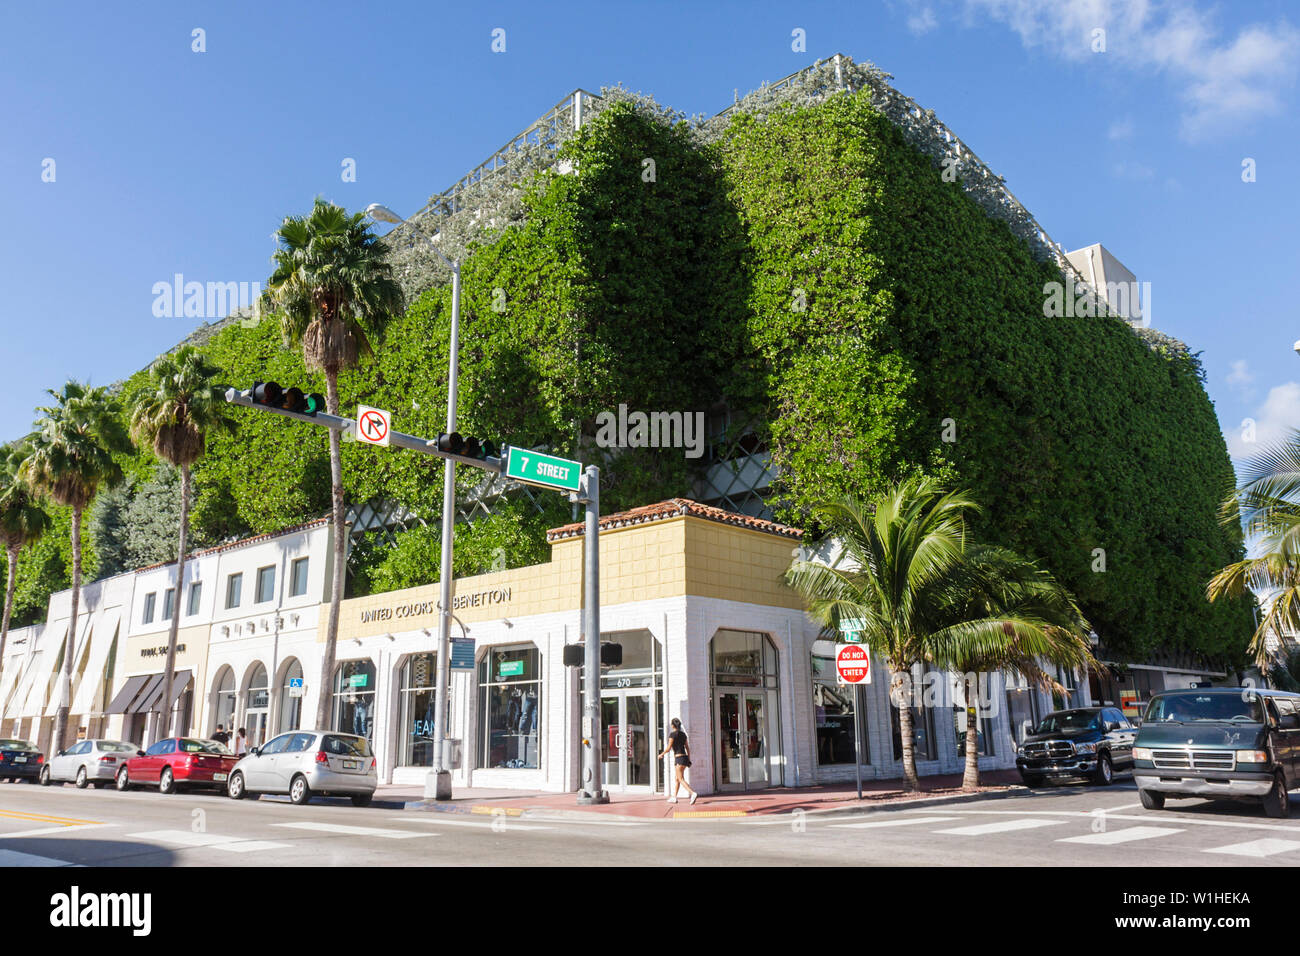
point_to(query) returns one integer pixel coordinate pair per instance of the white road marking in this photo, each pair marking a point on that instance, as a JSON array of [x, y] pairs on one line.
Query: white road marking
[[481, 824], [14, 858], [892, 823], [1171, 816], [43, 831], [353, 831], [1002, 826], [1258, 848], [1121, 836], [233, 844]]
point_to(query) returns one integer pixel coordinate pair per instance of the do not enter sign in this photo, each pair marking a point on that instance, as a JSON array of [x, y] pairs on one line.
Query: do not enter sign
[[852, 664]]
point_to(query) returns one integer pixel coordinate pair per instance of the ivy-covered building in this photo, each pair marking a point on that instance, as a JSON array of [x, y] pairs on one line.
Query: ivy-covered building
[[828, 278]]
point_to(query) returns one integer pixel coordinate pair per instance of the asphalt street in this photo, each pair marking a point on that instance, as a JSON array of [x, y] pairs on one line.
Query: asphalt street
[[1065, 826]]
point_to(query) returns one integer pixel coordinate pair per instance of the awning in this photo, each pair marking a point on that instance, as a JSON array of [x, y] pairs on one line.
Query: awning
[[130, 690], [78, 651], [14, 668], [180, 680], [39, 688], [92, 678], [144, 701]]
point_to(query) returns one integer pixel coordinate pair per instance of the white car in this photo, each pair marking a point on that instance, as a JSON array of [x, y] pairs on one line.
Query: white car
[[87, 762], [304, 763]]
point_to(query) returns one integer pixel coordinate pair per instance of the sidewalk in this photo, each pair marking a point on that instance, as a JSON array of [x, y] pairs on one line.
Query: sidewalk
[[877, 794]]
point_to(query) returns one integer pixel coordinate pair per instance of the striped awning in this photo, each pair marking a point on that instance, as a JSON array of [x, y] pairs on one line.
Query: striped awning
[[127, 695]]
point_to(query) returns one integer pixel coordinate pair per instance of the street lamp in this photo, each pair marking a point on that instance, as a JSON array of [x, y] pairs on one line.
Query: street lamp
[[437, 784]]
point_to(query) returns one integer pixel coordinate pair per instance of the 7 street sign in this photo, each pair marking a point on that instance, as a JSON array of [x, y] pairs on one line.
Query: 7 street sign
[[537, 469]]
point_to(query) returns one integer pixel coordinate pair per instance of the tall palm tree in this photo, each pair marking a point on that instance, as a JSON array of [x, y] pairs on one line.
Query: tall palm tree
[[900, 551], [335, 295], [183, 404], [71, 458], [22, 522], [1266, 507], [1001, 612]]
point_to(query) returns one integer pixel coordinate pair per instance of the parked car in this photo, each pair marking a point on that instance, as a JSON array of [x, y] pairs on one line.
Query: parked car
[[1092, 742], [20, 760], [1220, 743], [176, 762], [304, 763], [87, 762]]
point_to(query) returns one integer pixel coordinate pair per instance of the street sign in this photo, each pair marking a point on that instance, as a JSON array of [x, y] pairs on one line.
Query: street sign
[[546, 470], [462, 653], [373, 425], [852, 624], [295, 686], [852, 664]]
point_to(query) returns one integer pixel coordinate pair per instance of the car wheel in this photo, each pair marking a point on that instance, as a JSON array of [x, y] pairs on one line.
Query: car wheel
[[123, 781], [167, 782], [1277, 803], [45, 776], [81, 778], [235, 788], [1032, 779], [299, 791], [362, 799], [1104, 773], [1152, 799]]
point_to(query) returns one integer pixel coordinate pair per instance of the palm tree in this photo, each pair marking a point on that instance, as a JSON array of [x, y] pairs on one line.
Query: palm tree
[[1003, 613], [22, 522], [71, 458], [335, 295], [1266, 507], [899, 552], [923, 596], [183, 404]]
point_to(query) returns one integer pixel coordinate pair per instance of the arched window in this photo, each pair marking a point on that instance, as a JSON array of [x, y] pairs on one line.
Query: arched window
[[354, 698], [223, 704], [291, 697], [257, 706]]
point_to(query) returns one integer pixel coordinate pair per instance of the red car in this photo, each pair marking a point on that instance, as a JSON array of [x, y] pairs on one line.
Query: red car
[[174, 762]]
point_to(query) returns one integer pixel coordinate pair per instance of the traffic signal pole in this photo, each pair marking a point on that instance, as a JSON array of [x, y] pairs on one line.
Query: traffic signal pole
[[593, 790]]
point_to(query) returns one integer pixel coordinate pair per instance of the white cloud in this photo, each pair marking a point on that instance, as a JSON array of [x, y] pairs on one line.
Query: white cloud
[[1273, 421], [1121, 129], [922, 21], [1127, 170], [1224, 81], [1240, 373]]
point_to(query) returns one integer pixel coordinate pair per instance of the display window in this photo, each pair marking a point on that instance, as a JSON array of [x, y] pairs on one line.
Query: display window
[[510, 691], [419, 712], [354, 698]]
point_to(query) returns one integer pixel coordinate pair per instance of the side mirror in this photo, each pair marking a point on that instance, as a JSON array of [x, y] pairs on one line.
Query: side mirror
[[62, 752], [139, 753], [1112, 727], [255, 751], [1289, 722]]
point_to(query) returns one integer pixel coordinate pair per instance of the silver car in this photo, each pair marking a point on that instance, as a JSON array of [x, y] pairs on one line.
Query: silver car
[[304, 763], [87, 762]]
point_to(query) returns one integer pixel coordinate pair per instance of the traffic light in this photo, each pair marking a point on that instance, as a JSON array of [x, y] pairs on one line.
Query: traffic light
[[292, 399], [454, 444]]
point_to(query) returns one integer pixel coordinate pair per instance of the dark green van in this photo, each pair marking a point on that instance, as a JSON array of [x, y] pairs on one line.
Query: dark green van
[[1220, 743]]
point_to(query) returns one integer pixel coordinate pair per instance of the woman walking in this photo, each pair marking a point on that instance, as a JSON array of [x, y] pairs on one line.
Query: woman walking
[[681, 750]]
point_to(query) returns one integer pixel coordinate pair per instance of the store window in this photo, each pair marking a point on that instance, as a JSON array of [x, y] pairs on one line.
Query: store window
[[923, 737], [419, 709], [196, 590], [265, 584], [743, 659], [354, 698], [150, 600], [510, 686], [833, 712], [257, 706], [298, 578], [291, 697], [1022, 712], [234, 589]]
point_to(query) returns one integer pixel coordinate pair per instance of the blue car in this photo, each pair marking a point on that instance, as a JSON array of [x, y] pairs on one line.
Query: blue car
[[20, 760]]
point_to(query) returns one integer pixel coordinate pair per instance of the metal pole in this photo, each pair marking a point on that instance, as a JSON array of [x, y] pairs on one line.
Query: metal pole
[[437, 784], [593, 790], [857, 735]]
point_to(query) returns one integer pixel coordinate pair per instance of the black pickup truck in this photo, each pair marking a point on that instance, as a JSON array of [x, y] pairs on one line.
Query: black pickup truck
[[1091, 742]]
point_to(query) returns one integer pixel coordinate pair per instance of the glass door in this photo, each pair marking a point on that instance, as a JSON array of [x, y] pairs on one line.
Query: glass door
[[629, 728], [742, 739], [611, 720]]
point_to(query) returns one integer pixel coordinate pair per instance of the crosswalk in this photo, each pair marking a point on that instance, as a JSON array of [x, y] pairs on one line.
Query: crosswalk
[[1108, 831]]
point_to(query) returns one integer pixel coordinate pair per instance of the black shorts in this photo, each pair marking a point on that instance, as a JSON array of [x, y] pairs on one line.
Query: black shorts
[[682, 760]]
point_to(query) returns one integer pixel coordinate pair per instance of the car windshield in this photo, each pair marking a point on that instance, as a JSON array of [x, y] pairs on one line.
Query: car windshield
[[15, 745], [1190, 707], [1067, 720], [203, 747], [345, 746], [116, 747]]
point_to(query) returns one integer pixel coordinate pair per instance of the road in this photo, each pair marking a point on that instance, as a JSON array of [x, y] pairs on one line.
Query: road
[[1067, 826]]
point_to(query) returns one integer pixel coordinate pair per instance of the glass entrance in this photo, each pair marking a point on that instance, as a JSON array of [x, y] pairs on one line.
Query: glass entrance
[[628, 731], [742, 739]]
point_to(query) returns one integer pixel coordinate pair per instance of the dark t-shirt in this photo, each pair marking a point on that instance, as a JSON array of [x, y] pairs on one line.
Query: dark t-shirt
[[221, 737], [678, 738]]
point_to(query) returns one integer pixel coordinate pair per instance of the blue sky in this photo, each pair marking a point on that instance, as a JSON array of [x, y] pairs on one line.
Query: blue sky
[[172, 161]]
